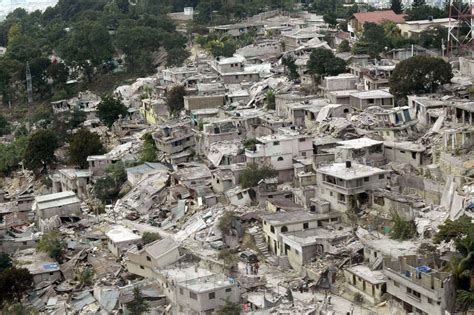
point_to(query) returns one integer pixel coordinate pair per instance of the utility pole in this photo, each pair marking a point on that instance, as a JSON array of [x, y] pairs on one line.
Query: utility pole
[[29, 84]]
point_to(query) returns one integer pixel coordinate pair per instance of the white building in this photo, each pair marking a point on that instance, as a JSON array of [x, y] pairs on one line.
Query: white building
[[120, 239], [278, 150], [142, 260]]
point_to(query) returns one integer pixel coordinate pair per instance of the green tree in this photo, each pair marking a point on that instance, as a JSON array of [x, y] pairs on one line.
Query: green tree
[[40, 149], [344, 47], [110, 109], [86, 277], [176, 57], [402, 229], [53, 245], [84, 143], [150, 237], [138, 305], [4, 126], [87, 46], [226, 222], [5, 261], [423, 12], [175, 99], [418, 3], [289, 62], [12, 154], [396, 6], [252, 174], [229, 259], [330, 19], [108, 187], [456, 230], [419, 74], [322, 62], [229, 308], [77, 117], [373, 40], [270, 99], [432, 38], [148, 150], [17, 309], [117, 172], [14, 283]]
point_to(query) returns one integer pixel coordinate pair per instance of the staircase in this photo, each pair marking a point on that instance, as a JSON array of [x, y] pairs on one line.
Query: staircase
[[262, 245]]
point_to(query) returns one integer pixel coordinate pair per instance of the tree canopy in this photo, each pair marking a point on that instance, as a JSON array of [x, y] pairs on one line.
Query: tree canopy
[[110, 109], [14, 283], [175, 99], [253, 173], [40, 149], [322, 62], [419, 74], [84, 143]]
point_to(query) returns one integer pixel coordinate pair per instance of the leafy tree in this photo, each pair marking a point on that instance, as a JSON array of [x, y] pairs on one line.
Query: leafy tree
[[86, 277], [270, 99], [176, 56], [40, 149], [229, 308], [87, 46], [148, 151], [396, 6], [175, 99], [418, 3], [250, 144], [53, 245], [423, 12], [402, 230], [14, 283], [432, 38], [77, 117], [344, 47], [4, 126], [108, 187], [373, 40], [138, 305], [84, 143], [419, 74], [322, 62], [17, 309], [252, 174], [12, 154], [455, 230], [330, 19], [290, 67], [110, 109], [150, 237], [5, 261], [226, 222], [229, 259]]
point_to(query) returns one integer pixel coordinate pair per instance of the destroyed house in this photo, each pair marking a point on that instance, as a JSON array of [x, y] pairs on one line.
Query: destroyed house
[[238, 29], [304, 246], [217, 131], [42, 267], [363, 100], [120, 239], [418, 286], [72, 180], [348, 186], [362, 150], [278, 150], [406, 152], [426, 109], [377, 76], [226, 153], [62, 204], [177, 75], [461, 112], [395, 123], [174, 138], [370, 284], [142, 260], [192, 176], [205, 295], [275, 224]]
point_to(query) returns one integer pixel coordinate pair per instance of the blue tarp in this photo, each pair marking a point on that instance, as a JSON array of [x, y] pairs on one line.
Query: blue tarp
[[424, 269]]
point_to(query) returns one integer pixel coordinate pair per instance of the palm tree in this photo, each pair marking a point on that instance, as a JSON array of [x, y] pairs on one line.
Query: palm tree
[[465, 299]]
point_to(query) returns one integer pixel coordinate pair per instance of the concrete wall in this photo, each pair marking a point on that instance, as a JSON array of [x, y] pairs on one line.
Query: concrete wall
[[429, 190], [203, 302], [141, 265], [240, 77], [404, 156], [200, 102], [47, 276], [63, 211], [371, 292]]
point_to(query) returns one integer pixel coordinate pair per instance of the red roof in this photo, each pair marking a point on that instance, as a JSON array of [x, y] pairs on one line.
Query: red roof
[[379, 17]]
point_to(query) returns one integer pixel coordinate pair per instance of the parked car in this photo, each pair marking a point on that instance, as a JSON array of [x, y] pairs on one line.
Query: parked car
[[219, 245], [248, 257]]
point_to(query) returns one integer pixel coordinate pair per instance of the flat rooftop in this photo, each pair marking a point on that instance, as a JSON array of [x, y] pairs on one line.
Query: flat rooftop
[[372, 94], [364, 272], [279, 218], [359, 143], [207, 283], [56, 200], [356, 170], [316, 235], [118, 234]]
